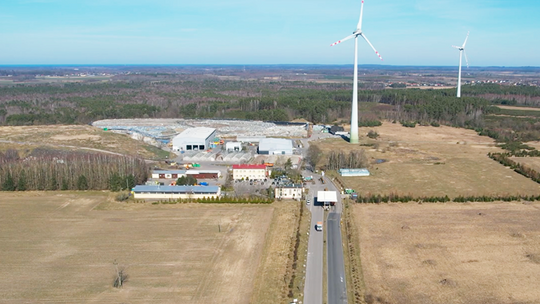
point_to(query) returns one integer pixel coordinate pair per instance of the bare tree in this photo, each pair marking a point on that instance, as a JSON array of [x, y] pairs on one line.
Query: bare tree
[[121, 276]]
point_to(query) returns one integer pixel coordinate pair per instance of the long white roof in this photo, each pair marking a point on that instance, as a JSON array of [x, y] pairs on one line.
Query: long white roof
[[275, 144], [327, 196], [199, 132]]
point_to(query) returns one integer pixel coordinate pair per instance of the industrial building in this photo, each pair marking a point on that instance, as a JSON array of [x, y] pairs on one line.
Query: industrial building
[[250, 139], [290, 191], [157, 174], [273, 146], [175, 192], [233, 146], [251, 172], [194, 139], [354, 172], [203, 174]]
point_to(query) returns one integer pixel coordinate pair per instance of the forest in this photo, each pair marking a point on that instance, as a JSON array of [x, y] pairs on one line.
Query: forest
[[47, 169], [200, 96]]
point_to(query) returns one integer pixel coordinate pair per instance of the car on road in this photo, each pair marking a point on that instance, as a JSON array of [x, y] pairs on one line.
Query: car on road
[[308, 201], [318, 227]]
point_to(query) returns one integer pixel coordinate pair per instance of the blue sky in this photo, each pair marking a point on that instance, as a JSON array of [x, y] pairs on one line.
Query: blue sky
[[415, 32]]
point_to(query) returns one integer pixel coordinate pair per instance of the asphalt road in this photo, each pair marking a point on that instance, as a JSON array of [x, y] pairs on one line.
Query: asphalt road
[[313, 291], [337, 288], [337, 285]]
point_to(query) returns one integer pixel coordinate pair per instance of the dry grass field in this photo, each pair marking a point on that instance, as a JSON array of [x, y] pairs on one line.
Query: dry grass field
[[530, 162], [74, 137], [450, 253], [60, 248], [431, 161]]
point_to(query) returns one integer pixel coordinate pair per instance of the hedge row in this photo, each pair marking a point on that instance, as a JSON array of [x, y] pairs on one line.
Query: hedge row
[[393, 198], [218, 200]]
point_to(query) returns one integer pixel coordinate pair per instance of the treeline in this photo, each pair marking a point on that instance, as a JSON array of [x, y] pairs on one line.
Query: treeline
[[339, 160], [61, 170], [218, 200], [395, 198]]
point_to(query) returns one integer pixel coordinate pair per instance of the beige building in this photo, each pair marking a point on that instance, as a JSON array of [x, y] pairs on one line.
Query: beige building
[[292, 191]]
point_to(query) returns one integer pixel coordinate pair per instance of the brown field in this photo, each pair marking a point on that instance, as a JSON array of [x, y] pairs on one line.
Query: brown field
[[430, 161], [531, 162], [450, 253], [518, 108], [75, 137], [60, 248]]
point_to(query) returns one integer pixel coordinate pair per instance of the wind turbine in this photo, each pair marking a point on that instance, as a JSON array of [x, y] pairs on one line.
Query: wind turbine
[[354, 115], [461, 51]]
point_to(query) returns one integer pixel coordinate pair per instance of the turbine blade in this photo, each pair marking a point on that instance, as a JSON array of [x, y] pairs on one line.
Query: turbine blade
[[359, 26], [466, 59], [365, 38], [457, 47], [344, 39], [466, 40]]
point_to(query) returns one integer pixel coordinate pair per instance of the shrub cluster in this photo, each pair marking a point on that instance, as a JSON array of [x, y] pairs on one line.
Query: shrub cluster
[[369, 123], [408, 124]]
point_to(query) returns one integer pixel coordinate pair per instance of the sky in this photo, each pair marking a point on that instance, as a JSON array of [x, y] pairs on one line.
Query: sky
[[414, 32]]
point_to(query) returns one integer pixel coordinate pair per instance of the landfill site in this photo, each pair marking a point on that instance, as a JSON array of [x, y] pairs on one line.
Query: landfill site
[[160, 132], [167, 128]]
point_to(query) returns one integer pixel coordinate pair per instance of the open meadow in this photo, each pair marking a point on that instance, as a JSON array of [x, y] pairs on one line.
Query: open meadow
[[59, 247], [431, 161], [75, 137], [472, 253]]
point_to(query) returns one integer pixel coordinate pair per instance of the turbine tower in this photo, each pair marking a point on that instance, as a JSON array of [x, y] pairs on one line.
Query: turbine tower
[[461, 51], [354, 115]]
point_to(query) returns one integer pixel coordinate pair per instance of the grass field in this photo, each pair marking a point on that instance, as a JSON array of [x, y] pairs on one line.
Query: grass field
[[60, 248], [430, 161], [530, 162], [75, 137], [450, 253]]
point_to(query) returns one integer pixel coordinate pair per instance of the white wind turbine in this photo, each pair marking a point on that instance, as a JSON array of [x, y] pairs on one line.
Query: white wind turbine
[[461, 51], [354, 115]]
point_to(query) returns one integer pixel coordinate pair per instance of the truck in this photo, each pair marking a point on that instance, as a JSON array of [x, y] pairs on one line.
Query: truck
[[318, 227]]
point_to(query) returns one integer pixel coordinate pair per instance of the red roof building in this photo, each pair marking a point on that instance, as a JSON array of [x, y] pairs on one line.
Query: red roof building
[[250, 172], [249, 167]]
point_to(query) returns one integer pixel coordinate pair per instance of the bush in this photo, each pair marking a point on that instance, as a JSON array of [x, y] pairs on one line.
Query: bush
[[120, 197], [373, 134], [435, 124], [370, 123], [408, 124]]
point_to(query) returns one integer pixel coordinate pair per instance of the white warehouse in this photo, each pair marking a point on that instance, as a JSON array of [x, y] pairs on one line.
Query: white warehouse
[[194, 139], [233, 146], [274, 146]]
